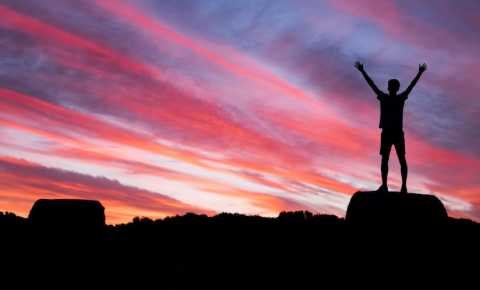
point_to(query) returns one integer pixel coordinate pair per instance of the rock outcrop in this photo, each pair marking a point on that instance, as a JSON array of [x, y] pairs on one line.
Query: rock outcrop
[[394, 208], [68, 215]]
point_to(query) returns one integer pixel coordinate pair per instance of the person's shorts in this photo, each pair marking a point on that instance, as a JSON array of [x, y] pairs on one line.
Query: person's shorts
[[395, 138]]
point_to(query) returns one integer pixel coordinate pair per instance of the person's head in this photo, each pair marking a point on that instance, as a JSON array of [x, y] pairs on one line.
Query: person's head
[[393, 86]]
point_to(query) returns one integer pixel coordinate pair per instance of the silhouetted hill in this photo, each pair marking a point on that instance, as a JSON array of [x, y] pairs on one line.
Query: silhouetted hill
[[233, 246], [366, 207]]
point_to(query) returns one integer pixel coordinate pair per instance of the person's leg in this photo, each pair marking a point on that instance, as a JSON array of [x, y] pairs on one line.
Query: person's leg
[[384, 168], [404, 172], [385, 148], [400, 148]]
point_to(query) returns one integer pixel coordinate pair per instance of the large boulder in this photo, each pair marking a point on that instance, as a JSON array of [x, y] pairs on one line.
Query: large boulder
[[394, 208], [68, 215]]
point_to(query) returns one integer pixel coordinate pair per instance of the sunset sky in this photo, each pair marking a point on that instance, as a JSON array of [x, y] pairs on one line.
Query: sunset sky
[[158, 108]]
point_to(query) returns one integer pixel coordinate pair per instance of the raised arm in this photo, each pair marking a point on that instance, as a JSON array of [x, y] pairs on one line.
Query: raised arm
[[370, 82], [421, 69]]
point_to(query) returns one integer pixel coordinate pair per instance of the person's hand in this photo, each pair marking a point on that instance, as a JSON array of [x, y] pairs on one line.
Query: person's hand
[[359, 65], [422, 67]]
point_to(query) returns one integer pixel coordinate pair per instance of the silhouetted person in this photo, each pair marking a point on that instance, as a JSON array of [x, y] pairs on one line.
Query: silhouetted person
[[391, 122]]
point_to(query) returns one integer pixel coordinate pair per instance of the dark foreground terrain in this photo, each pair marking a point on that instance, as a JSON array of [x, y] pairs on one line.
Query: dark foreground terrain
[[238, 248], [230, 244]]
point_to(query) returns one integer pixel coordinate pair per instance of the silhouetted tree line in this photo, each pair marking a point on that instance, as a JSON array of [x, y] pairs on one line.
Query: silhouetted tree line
[[233, 223], [228, 245]]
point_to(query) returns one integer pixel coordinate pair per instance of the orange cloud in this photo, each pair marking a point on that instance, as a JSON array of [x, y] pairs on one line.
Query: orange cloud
[[22, 182]]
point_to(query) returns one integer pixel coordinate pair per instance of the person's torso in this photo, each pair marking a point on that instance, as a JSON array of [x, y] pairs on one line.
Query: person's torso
[[391, 112]]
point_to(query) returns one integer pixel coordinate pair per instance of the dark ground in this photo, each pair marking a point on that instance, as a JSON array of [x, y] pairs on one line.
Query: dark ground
[[294, 246]]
